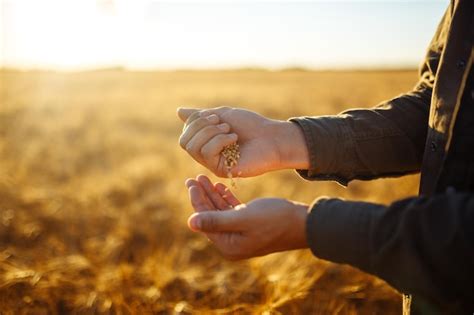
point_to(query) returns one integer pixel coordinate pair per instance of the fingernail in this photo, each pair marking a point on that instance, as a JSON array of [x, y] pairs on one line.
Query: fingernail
[[233, 136], [196, 223], [223, 127], [212, 118], [188, 182]]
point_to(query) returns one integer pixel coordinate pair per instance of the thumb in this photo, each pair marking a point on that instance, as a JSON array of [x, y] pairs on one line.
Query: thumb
[[217, 221], [184, 113]]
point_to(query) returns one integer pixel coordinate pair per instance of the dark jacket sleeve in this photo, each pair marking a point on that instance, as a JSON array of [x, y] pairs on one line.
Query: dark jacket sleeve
[[384, 141], [421, 246]]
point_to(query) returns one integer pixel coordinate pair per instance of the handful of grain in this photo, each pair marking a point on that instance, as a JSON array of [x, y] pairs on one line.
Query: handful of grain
[[231, 154]]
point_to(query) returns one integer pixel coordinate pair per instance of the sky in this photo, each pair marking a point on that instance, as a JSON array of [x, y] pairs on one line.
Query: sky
[[147, 35]]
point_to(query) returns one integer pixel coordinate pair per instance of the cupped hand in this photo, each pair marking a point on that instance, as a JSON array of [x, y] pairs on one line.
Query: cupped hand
[[265, 144], [240, 231]]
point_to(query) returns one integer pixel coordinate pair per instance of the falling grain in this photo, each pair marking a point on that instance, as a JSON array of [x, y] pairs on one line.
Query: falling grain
[[231, 154]]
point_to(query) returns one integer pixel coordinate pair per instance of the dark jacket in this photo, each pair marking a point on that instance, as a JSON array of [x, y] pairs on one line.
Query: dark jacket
[[423, 245]]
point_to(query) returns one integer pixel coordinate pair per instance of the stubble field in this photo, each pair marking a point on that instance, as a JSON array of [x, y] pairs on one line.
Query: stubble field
[[93, 206]]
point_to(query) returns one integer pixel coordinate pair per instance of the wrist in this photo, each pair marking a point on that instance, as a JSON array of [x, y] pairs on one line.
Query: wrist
[[301, 213], [292, 146]]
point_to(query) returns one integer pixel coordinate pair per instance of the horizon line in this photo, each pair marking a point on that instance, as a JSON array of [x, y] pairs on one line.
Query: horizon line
[[388, 68]]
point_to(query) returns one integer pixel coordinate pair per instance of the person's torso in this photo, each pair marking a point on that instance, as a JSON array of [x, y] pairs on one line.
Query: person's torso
[[457, 173], [449, 150], [448, 161]]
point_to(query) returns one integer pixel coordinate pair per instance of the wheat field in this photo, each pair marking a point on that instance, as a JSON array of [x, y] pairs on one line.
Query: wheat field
[[93, 205]]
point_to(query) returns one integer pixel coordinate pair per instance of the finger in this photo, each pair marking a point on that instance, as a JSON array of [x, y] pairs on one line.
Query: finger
[[227, 195], [184, 113], [219, 110], [193, 147], [217, 221], [199, 200], [198, 124], [191, 182], [215, 146], [212, 193]]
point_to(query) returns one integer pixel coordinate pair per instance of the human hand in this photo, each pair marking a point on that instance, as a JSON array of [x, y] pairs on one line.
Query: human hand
[[265, 144], [240, 231]]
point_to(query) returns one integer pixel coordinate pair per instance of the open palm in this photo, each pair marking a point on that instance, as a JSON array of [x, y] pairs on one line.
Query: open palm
[[240, 231], [205, 196]]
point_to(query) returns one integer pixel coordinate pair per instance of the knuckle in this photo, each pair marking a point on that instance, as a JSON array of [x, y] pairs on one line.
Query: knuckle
[[204, 151], [220, 138], [203, 113], [193, 117], [223, 108], [191, 148], [201, 122], [209, 223], [213, 130], [196, 124], [210, 131], [182, 142]]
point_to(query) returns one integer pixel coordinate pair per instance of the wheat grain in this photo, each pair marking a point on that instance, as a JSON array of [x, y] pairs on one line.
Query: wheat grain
[[231, 154]]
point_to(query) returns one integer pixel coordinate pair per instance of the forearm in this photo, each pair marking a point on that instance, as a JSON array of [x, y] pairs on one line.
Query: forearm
[[422, 246], [384, 141], [387, 140]]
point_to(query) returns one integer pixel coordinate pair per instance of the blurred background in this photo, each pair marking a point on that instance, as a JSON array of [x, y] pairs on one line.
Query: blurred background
[[148, 35], [93, 206]]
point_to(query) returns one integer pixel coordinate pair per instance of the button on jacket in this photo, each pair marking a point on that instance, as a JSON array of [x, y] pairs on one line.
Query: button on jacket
[[422, 245]]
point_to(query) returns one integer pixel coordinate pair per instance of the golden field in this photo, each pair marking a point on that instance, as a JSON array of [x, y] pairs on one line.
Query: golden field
[[93, 206]]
